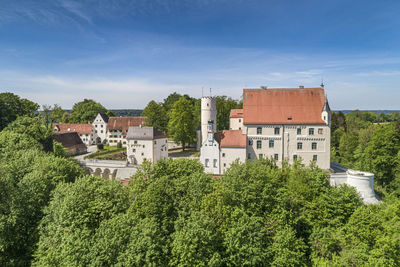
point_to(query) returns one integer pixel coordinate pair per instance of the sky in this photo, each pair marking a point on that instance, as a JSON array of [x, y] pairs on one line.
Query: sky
[[125, 53]]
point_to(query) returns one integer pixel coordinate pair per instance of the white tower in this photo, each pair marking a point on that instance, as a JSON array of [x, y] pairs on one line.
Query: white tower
[[208, 113]]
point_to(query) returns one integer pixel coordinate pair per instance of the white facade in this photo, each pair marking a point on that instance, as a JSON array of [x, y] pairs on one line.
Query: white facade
[[288, 142], [236, 124], [146, 144], [231, 154], [100, 128], [116, 136]]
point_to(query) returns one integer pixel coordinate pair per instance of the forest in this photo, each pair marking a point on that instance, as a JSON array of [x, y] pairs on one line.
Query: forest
[[174, 214]]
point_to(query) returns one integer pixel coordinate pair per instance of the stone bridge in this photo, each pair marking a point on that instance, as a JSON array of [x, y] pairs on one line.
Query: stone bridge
[[108, 169]]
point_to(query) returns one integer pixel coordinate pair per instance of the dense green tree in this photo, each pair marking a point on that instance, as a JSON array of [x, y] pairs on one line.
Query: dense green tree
[[86, 111], [34, 127], [156, 116], [338, 120], [182, 126], [196, 242], [169, 102], [27, 182], [12, 106], [73, 217], [247, 240]]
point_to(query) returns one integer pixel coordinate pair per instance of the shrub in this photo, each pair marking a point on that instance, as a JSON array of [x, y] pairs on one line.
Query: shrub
[[119, 144], [100, 146]]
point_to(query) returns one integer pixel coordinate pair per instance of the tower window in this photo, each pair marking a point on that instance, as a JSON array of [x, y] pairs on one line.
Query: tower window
[[277, 130], [320, 131], [276, 156], [311, 131], [249, 156], [314, 157], [294, 157], [207, 162], [259, 130], [215, 163], [223, 155], [240, 120], [298, 131]]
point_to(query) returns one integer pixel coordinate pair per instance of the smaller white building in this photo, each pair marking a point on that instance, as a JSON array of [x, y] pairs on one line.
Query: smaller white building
[[145, 144], [100, 127]]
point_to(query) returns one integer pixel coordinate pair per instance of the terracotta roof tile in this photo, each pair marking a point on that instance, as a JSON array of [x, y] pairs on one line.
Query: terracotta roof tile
[[232, 138], [236, 113], [283, 106], [73, 127], [123, 123]]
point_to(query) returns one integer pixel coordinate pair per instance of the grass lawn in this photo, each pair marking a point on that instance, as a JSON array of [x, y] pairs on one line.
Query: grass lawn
[[109, 153]]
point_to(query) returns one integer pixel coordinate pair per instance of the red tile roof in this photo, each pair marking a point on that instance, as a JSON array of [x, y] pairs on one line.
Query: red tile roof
[[73, 127], [123, 123], [236, 113], [283, 106], [232, 138]]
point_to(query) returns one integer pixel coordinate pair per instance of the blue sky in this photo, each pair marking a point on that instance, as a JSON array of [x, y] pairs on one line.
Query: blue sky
[[124, 53]]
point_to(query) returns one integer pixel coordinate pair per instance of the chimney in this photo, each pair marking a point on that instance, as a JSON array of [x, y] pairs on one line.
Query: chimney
[[301, 86], [264, 87]]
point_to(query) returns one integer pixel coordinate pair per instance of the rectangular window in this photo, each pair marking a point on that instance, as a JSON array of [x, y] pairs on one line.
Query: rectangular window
[[299, 146], [298, 131], [271, 143], [248, 156], [320, 131], [224, 164], [311, 131], [240, 120], [134, 150], [250, 142], [314, 157], [277, 130], [206, 163], [294, 157], [142, 154], [258, 144], [313, 146], [101, 131], [276, 156], [260, 156], [155, 142], [144, 146], [101, 126], [215, 163], [259, 130], [223, 155]]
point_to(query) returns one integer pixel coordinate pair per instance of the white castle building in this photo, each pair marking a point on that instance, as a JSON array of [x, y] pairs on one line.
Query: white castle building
[[283, 124]]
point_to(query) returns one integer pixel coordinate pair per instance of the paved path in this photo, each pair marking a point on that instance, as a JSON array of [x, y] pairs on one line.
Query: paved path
[[90, 149]]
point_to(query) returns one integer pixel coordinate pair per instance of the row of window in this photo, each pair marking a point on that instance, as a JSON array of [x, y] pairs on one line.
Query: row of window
[[276, 156], [207, 163], [271, 144], [278, 130], [116, 141], [101, 125]]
